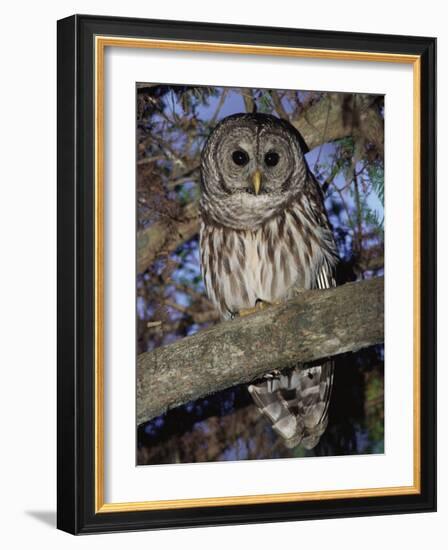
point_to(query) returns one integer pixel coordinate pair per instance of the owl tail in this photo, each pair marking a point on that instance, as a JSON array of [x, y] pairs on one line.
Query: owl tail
[[296, 403]]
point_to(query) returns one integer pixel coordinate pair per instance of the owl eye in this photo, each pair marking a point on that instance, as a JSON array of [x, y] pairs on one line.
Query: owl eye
[[240, 157], [271, 158]]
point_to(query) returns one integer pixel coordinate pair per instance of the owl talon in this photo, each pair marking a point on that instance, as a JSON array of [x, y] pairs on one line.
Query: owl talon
[[247, 311], [260, 305], [263, 304]]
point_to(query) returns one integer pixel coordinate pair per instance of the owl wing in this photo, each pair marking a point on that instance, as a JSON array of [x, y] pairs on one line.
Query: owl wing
[[296, 403]]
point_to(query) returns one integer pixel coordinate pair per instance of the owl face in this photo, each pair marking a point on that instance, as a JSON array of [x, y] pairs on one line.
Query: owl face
[[251, 164], [254, 160], [254, 153]]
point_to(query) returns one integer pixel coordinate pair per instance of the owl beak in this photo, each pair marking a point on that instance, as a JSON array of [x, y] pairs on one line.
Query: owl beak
[[256, 181]]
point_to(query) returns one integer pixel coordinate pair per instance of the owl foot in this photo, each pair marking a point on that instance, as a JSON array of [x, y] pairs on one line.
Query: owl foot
[[260, 305]]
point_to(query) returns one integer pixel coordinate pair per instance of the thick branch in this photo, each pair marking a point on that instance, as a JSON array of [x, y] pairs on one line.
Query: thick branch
[[315, 325]]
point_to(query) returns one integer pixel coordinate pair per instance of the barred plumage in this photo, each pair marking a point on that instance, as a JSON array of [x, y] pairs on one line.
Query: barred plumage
[[267, 263], [265, 236]]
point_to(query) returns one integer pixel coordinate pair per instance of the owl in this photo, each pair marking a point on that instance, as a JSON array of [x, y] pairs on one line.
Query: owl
[[264, 237]]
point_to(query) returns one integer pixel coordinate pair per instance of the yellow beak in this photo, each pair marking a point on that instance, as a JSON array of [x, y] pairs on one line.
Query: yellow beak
[[256, 181]]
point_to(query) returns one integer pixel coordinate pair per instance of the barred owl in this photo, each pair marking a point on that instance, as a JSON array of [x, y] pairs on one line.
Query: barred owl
[[264, 237]]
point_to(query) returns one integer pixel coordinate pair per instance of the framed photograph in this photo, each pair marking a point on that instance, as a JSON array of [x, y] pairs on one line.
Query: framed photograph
[[246, 274]]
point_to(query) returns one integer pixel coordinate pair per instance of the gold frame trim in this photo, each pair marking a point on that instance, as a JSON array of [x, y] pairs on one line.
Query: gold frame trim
[[101, 42]]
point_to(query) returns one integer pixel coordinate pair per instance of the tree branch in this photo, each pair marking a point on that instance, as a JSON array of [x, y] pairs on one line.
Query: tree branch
[[165, 235], [313, 326], [334, 117], [248, 99]]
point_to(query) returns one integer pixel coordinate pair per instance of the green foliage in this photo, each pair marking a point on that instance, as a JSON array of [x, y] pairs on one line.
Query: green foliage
[[376, 176], [264, 102], [372, 219]]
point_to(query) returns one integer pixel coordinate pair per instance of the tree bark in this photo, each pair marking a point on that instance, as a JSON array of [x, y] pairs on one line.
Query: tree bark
[[313, 326]]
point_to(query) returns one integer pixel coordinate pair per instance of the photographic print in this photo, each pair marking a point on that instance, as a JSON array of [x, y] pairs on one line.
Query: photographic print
[[247, 199]]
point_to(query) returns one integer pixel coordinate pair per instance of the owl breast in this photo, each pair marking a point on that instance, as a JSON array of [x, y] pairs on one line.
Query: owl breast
[[240, 267]]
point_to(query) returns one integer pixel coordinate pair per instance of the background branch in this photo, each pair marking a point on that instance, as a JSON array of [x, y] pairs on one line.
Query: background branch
[[165, 235], [335, 117]]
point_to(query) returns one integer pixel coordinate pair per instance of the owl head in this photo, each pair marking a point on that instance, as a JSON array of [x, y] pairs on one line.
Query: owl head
[[251, 165]]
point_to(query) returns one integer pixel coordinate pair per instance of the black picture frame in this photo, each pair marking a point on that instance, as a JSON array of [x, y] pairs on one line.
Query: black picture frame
[[76, 256]]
